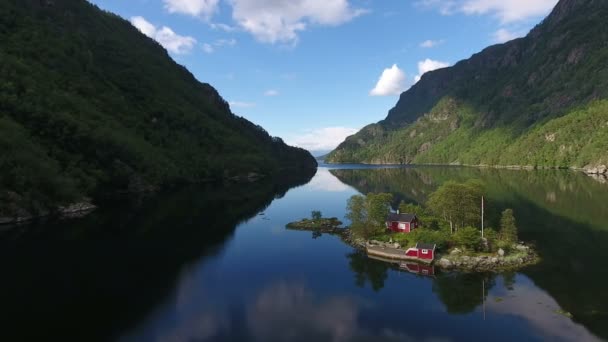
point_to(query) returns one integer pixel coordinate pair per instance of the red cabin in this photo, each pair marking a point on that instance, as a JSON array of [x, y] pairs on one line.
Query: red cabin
[[401, 223], [425, 251]]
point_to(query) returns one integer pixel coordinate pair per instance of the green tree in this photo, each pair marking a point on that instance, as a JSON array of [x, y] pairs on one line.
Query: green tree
[[84, 117], [491, 237], [468, 237], [368, 213], [508, 229], [378, 208], [316, 215], [458, 203], [411, 209], [356, 210]]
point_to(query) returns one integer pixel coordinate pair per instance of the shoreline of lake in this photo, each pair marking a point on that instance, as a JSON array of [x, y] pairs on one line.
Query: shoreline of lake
[[457, 260]]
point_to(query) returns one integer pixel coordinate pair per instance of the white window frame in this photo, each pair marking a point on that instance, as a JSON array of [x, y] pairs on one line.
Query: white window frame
[[425, 251]]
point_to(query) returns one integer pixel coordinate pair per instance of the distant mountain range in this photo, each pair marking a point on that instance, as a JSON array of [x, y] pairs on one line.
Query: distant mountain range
[[90, 105], [538, 101]]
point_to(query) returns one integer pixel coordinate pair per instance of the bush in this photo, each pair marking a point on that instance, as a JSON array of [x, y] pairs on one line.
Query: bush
[[440, 238], [505, 245], [468, 237], [316, 215]]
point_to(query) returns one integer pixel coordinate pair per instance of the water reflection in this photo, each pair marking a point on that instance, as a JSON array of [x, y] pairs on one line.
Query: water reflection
[[302, 316], [177, 269], [280, 311], [91, 278], [538, 309], [367, 270], [563, 212], [325, 181]]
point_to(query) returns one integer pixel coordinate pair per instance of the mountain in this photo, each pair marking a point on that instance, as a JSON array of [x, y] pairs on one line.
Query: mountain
[[539, 101], [89, 105]]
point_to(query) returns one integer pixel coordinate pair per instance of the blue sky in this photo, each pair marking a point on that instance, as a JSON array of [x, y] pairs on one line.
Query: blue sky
[[314, 71]]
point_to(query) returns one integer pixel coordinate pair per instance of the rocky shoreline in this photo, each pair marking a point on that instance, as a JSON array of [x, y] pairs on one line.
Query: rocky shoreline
[[73, 210], [456, 260], [459, 260], [521, 256]]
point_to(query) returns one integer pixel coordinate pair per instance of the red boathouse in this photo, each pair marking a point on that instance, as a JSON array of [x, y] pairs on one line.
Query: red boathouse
[[425, 251], [401, 223]]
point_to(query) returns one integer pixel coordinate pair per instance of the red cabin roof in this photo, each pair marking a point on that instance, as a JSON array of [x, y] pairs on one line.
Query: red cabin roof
[[396, 217], [421, 245]]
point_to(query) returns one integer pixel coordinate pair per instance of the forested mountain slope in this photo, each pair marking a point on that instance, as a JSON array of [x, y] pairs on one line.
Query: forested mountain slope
[[535, 101], [88, 104]]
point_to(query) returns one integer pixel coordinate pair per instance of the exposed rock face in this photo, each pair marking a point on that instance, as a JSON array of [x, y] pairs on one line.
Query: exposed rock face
[[445, 263], [455, 251], [522, 257], [597, 170], [77, 209], [72, 210]]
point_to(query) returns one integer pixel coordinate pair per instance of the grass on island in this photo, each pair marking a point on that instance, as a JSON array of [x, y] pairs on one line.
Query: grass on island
[[564, 313], [449, 219], [317, 221], [332, 222]]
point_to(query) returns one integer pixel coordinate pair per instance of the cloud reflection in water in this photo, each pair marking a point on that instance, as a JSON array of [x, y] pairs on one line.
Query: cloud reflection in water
[[325, 181], [283, 311]]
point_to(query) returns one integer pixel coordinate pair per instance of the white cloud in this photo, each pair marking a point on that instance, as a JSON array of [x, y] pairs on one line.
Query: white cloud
[[391, 82], [271, 92], [241, 104], [211, 47], [196, 8], [504, 35], [506, 10], [326, 138], [509, 10], [144, 26], [272, 21], [208, 48], [429, 65], [445, 7], [223, 27], [431, 43], [225, 42], [165, 36]]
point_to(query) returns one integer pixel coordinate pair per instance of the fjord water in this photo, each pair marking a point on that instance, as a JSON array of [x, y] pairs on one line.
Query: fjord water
[[217, 264]]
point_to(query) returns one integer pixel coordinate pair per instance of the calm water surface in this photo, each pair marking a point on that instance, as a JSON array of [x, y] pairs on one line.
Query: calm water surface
[[218, 265]]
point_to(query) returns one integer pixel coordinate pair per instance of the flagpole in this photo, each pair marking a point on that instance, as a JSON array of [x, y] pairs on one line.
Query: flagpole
[[482, 217]]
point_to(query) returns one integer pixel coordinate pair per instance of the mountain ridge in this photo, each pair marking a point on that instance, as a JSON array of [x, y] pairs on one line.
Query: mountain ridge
[[90, 105], [516, 86]]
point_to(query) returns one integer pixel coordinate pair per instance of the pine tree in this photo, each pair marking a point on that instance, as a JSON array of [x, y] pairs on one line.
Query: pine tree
[[508, 229]]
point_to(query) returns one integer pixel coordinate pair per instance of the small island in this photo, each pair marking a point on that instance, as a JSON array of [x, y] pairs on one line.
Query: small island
[[449, 231]]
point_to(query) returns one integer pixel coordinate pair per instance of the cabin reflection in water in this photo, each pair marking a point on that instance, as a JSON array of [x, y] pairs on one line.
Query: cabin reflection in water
[[411, 266], [426, 270]]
